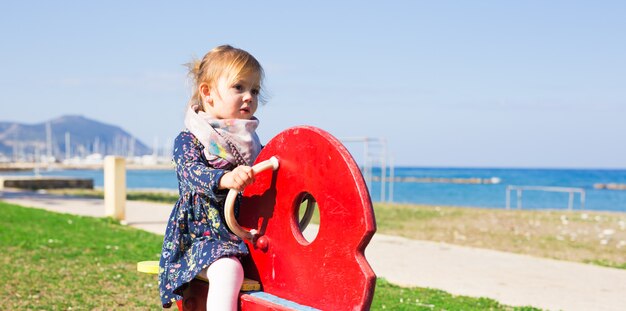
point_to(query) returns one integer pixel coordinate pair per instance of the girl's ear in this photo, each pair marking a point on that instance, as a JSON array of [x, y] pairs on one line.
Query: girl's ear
[[205, 91]]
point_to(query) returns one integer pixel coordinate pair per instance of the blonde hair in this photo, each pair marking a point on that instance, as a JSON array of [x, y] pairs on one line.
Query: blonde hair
[[224, 60]]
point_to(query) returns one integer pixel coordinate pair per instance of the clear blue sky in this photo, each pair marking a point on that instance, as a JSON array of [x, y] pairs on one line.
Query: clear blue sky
[[447, 83]]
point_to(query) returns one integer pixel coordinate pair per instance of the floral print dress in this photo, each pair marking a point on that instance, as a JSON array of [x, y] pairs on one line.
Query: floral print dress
[[196, 233]]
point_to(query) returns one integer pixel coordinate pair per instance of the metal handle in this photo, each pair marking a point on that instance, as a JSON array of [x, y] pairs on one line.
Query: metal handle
[[229, 205]]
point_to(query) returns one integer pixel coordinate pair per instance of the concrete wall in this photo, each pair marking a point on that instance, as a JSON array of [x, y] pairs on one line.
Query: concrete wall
[[34, 183]]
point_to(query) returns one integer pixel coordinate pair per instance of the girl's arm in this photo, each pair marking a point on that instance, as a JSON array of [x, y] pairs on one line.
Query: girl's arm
[[192, 169]]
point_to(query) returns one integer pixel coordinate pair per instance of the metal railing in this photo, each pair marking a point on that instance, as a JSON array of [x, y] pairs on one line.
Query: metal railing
[[375, 152], [571, 191]]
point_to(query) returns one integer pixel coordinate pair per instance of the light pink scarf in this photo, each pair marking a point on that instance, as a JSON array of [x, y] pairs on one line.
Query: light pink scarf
[[225, 141]]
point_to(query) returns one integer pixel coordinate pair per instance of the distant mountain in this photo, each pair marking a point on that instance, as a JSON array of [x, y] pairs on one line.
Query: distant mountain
[[85, 136]]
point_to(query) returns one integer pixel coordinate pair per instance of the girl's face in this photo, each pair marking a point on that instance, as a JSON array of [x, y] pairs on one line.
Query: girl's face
[[232, 100]]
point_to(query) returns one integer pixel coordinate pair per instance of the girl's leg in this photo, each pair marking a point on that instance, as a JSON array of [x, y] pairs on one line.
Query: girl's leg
[[225, 277]]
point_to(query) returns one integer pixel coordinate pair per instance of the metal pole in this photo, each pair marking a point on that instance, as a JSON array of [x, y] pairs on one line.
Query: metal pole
[[519, 198], [570, 203], [48, 142], [67, 146], [366, 168], [37, 159], [392, 177], [15, 148], [582, 200], [508, 197], [383, 170]]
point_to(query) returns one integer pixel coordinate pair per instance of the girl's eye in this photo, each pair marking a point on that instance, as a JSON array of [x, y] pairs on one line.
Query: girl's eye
[[238, 87], [255, 92]]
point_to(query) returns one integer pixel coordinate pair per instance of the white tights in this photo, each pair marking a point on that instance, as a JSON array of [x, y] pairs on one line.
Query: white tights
[[225, 276]]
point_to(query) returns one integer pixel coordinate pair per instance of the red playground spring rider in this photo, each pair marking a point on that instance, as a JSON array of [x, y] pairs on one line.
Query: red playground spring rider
[[328, 272]]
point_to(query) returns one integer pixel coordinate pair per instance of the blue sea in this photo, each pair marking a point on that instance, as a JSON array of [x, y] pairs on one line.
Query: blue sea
[[471, 195]]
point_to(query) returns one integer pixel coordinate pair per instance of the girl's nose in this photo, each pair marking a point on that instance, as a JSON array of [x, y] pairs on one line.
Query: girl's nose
[[247, 97]]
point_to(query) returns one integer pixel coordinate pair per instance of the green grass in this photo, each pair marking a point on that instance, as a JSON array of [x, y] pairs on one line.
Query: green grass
[[609, 264], [392, 297], [151, 196], [56, 261]]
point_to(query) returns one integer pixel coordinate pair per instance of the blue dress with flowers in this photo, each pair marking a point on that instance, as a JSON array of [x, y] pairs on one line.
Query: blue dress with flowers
[[196, 233]]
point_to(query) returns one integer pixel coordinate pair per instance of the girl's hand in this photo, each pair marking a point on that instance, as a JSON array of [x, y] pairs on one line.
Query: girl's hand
[[237, 179]]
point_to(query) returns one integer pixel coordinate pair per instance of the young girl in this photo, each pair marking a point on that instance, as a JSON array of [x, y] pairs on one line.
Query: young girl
[[212, 155]]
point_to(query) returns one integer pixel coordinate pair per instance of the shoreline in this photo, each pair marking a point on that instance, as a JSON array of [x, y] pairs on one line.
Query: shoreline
[[22, 167], [453, 188]]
